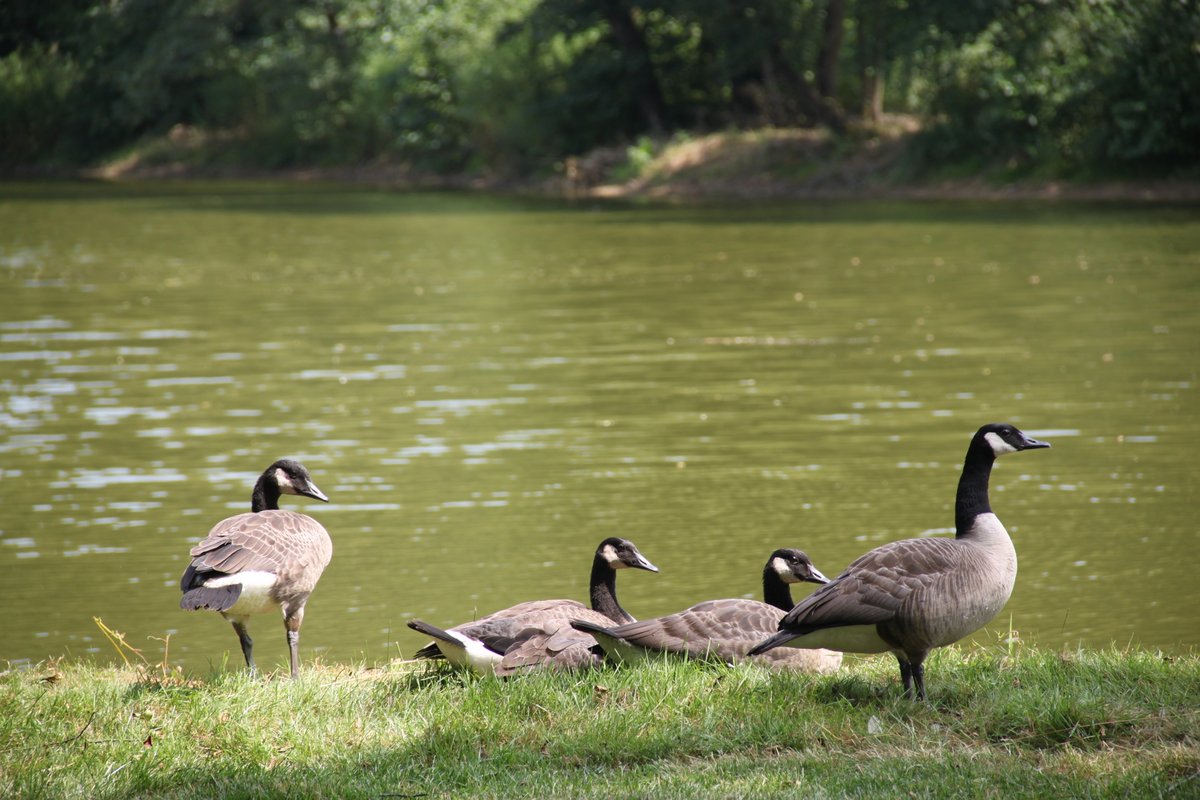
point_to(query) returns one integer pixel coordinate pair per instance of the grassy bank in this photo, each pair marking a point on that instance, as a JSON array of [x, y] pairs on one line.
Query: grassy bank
[[768, 163], [883, 161], [1080, 724]]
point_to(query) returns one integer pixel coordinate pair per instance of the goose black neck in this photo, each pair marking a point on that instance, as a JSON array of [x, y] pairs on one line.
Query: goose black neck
[[972, 497], [266, 495], [775, 591], [604, 592]]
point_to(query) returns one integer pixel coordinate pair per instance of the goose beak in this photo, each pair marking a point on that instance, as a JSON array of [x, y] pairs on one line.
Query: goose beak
[[312, 491], [815, 576], [644, 563], [1033, 444]]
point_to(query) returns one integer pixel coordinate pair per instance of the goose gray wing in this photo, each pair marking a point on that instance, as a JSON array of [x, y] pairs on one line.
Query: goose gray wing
[[723, 629], [500, 630], [876, 586], [274, 541], [551, 643]]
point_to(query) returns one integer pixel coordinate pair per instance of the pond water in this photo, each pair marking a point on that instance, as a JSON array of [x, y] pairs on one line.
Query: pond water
[[486, 387]]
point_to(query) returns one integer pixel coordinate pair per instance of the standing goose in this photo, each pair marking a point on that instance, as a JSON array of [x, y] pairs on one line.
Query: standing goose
[[481, 645], [266, 560], [911, 596], [723, 629]]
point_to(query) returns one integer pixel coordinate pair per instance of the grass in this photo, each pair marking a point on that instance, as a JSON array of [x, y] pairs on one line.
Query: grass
[[1080, 724]]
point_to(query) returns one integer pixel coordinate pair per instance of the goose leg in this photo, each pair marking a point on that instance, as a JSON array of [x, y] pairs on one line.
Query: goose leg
[[912, 674], [906, 676], [292, 623], [239, 626], [918, 676]]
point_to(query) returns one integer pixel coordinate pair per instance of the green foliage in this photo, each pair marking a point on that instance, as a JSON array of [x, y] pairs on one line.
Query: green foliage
[[1072, 87], [148, 66], [1148, 55], [638, 156], [557, 86], [1081, 86], [35, 90]]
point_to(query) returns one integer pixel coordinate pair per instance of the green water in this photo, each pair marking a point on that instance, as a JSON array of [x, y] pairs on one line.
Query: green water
[[487, 387]]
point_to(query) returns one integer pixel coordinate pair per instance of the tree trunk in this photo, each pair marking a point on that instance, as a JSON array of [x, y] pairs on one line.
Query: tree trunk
[[647, 91], [794, 90], [337, 38], [873, 95], [870, 60], [831, 49], [807, 99]]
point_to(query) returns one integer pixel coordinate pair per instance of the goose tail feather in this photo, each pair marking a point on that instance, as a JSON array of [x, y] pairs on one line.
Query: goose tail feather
[[583, 626], [781, 638], [220, 598], [431, 650]]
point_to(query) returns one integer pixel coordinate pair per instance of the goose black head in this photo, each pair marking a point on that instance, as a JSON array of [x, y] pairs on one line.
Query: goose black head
[[794, 566], [1002, 439], [292, 478], [621, 553]]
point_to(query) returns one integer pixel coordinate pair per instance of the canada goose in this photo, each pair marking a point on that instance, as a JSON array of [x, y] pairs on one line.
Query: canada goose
[[261, 561], [481, 645], [723, 629], [910, 596]]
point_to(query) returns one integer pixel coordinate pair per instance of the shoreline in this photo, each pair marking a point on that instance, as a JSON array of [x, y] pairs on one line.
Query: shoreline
[[759, 165], [686, 190], [1180, 191]]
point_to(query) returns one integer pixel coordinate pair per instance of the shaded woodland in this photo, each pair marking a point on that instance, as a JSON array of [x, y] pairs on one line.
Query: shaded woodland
[[1075, 88]]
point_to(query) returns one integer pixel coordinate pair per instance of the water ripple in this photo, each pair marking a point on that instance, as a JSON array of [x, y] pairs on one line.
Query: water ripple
[[94, 549], [111, 415], [37, 355], [193, 380], [115, 476], [165, 334]]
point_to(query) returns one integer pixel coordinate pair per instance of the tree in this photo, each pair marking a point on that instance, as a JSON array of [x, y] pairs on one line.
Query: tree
[[628, 36]]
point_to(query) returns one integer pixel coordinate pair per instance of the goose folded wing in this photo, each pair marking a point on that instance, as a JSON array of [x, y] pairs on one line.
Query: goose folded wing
[[707, 628], [730, 618], [502, 629], [496, 634], [554, 643], [549, 650], [875, 586], [552, 629], [266, 541], [524, 613]]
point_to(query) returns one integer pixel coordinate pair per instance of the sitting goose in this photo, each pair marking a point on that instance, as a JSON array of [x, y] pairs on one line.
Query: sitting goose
[[481, 645], [910, 596], [723, 629], [266, 560]]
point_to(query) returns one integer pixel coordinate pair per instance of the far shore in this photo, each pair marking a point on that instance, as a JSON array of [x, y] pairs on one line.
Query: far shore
[[766, 164], [402, 179]]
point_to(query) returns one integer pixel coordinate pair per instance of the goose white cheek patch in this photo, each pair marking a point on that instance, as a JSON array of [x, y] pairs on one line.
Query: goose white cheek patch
[[783, 570], [998, 445], [609, 554], [285, 483]]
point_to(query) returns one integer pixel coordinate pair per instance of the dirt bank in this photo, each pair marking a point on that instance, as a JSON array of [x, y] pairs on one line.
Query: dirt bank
[[762, 164]]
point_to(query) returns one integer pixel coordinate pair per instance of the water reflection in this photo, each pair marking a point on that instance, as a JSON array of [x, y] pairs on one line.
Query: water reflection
[[487, 389]]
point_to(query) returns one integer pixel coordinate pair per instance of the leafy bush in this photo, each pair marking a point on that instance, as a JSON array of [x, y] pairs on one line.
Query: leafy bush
[[35, 92], [1071, 88]]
